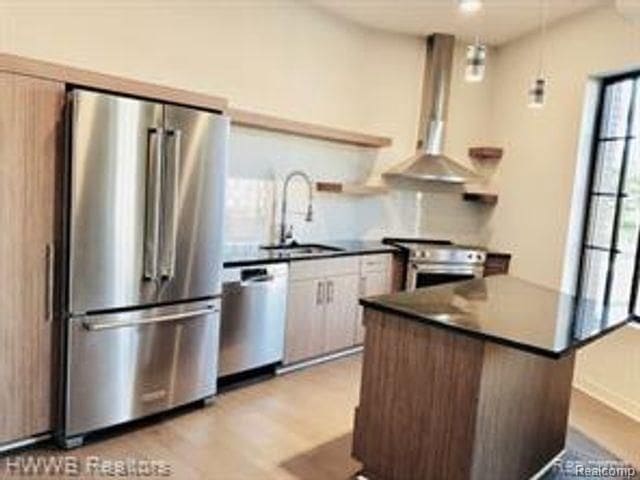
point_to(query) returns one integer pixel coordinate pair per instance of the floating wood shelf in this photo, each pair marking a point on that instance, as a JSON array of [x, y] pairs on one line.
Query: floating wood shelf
[[486, 153], [309, 130], [481, 197], [351, 188]]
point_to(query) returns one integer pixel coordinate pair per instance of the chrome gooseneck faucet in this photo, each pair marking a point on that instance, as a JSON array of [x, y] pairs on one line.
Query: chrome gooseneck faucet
[[288, 234]]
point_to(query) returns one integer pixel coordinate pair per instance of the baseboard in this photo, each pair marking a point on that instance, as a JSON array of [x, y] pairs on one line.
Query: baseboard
[[318, 360], [22, 443], [626, 406], [548, 466]]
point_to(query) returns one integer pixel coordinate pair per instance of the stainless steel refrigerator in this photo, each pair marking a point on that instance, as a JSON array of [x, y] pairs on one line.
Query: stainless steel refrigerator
[[146, 193]]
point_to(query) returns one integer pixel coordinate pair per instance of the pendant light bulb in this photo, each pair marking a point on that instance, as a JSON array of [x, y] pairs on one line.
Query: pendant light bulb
[[476, 62], [470, 6], [537, 92]]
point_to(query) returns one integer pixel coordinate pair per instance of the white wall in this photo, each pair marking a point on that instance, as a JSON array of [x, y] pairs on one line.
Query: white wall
[[296, 62], [541, 146], [536, 179], [282, 57]]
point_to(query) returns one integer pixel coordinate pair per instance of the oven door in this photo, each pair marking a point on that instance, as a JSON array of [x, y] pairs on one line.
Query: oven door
[[429, 275]]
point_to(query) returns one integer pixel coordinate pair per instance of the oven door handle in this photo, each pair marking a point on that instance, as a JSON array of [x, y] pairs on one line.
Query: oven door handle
[[444, 269]]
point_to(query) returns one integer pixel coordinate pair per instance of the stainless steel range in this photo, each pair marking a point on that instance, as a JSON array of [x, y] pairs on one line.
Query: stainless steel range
[[433, 262]]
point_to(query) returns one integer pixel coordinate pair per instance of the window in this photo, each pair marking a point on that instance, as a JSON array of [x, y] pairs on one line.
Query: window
[[609, 266]]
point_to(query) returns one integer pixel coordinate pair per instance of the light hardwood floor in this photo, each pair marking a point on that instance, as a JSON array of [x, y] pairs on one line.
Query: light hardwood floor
[[611, 429], [294, 427]]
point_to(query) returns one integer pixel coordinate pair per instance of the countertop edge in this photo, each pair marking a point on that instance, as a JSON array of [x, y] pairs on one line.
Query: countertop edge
[[411, 315], [332, 254]]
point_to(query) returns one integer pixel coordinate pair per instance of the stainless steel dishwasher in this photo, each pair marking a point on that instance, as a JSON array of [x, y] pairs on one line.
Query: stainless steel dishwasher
[[254, 303]]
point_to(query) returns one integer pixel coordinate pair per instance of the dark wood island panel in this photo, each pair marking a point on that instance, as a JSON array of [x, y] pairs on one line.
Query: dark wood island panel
[[435, 404]]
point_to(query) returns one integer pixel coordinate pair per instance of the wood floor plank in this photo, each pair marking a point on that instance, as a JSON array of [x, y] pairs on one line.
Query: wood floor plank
[[294, 427]]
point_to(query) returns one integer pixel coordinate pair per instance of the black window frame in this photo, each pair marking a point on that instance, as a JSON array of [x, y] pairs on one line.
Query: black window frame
[[591, 194]]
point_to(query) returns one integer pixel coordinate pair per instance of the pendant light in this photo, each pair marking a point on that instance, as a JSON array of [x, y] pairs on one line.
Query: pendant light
[[469, 6], [538, 89], [537, 92], [476, 61]]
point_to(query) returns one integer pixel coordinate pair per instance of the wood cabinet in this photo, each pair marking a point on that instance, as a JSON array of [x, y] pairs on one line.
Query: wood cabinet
[[435, 403], [323, 315], [305, 320], [321, 307], [340, 314], [375, 279], [31, 139]]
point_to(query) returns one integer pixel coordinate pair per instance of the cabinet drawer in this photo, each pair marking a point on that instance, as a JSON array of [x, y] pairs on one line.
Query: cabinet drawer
[[375, 263], [305, 269]]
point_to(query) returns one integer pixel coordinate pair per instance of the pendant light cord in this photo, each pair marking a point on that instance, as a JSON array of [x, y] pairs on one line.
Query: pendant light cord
[[544, 18]]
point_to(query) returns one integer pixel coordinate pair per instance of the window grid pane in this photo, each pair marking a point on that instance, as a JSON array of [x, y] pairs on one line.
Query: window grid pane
[[594, 279], [612, 230], [609, 166], [617, 102], [600, 233]]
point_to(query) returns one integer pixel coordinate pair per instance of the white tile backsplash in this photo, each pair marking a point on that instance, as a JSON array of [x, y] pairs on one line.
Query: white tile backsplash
[[249, 210], [259, 161]]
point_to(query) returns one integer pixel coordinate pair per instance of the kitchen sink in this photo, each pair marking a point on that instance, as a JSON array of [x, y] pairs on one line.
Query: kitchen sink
[[301, 249]]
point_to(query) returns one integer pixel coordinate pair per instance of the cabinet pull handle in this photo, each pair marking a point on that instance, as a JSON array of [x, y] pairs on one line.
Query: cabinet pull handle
[[330, 292], [49, 272], [363, 286], [320, 293]]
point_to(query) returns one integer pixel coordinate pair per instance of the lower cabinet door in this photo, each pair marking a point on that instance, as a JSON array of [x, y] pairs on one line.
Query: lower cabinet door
[[341, 312], [373, 283], [305, 320]]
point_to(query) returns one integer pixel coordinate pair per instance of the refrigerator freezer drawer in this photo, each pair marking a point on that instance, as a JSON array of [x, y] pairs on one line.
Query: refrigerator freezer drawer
[[124, 366]]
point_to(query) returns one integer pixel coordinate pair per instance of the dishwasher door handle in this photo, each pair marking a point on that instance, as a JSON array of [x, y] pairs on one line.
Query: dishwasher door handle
[[260, 279]]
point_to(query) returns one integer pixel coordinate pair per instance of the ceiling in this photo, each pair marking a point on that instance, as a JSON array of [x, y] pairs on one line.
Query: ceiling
[[498, 22]]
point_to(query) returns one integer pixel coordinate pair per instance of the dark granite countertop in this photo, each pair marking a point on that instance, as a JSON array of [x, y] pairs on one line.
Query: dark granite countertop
[[509, 311], [240, 255]]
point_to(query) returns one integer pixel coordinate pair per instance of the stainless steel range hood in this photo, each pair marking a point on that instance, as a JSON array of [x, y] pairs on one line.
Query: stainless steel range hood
[[429, 163]]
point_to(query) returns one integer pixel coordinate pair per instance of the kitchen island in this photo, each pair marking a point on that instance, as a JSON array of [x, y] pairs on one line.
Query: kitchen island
[[470, 380]]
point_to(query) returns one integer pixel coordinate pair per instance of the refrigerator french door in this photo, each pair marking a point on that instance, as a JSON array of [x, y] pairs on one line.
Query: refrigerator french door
[[146, 195]]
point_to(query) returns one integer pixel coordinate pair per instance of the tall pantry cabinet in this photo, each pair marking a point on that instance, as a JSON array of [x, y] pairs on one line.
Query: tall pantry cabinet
[[31, 158]]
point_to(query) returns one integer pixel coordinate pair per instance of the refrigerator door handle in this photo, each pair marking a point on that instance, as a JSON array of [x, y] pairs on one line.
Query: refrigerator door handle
[[93, 326], [170, 206], [152, 219]]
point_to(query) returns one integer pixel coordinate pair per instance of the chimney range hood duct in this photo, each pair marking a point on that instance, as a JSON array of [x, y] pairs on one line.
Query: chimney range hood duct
[[429, 163]]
